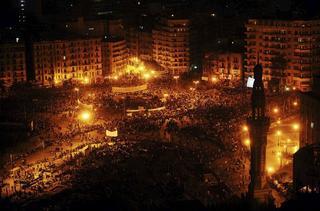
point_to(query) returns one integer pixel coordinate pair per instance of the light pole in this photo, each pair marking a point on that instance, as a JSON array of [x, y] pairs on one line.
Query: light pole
[[176, 77]]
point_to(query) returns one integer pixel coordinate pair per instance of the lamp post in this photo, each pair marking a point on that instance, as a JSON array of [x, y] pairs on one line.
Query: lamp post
[[176, 77]]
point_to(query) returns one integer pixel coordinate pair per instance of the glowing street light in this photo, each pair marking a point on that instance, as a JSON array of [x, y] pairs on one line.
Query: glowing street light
[[86, 80], [296, 126], [247, 142], [196, 82], [245, 128], [278, 133], [295, 103], [275, 110], [85, 116], [279, 122], [146, 76], [270, 170], [214, 79]]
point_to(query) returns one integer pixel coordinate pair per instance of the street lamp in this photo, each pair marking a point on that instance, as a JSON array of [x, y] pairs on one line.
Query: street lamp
[[85, 116], [275, 110], [247, 143], [278, 134], [245, 128], [176, 77], [214, 79], [279, 121], [77, 91], [270, 170], [146, 76], [296, 126], [86, 80]]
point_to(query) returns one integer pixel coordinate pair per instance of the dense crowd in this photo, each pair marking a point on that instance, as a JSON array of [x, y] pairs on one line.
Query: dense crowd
[[202, 122]]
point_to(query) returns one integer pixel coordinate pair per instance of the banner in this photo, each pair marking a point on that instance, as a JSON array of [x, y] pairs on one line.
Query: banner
[[135, 110], [85, 106], [129, 89], [112, 133], [157, 109]]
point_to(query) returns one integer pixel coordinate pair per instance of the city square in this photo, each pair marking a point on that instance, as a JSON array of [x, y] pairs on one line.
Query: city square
[[159, 105]]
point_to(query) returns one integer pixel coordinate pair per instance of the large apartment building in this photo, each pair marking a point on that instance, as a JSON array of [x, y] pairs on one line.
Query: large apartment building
[[12, 63], [289, 51], [223, 65], [114, 55], [171, 44], [61, 60]]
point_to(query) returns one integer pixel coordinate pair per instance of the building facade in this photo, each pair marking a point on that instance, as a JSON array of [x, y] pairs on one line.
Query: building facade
[[114, 55], [309, 115], [171, 44], [223, 65], [140, 43], [61, 60], [288, 50], [12, 63]]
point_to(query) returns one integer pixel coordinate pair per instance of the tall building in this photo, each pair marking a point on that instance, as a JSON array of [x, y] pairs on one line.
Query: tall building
[[171, 44], [140, 43], [223, 65], [309, 115], [114, 55], [288, 50], [61, 60], [259, 125], [12, 63]]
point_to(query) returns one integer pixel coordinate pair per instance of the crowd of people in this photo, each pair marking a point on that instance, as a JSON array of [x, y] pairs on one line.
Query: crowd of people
[[207, 126]]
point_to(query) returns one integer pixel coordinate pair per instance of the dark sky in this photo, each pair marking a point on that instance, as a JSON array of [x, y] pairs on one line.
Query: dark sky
[[8, 15], [7, 12]]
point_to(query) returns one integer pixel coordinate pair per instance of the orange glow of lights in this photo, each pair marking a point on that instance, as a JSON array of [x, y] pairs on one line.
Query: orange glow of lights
[[296, 126], [295, 103], [86, 80], [278, 133], [85, 116], [270, 170], [247, 142], [214, 79], [275, 110], [146, 76], [245, 128], [279, 154]]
